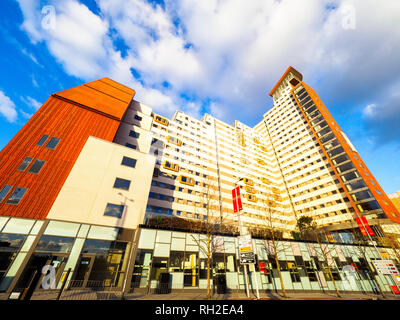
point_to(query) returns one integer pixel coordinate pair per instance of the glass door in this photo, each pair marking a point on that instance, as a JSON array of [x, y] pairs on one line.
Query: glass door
[[191, 275]]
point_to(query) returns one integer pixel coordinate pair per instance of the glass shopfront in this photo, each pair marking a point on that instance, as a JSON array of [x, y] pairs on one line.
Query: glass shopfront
[[302, 265], [50, 251], [9, 246], [101, 263], [98, 257]]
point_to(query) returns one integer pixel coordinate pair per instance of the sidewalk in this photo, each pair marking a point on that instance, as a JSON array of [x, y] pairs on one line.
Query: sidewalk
[[196, 295], [263, 296]]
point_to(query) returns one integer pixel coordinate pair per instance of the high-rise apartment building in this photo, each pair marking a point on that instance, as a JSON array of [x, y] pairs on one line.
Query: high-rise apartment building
[[295, 162], [80, 181]]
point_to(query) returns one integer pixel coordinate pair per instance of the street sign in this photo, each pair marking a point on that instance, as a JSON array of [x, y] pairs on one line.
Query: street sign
[[247, 257], [385, 267], [246, 253], [237, 201], [245, 243]]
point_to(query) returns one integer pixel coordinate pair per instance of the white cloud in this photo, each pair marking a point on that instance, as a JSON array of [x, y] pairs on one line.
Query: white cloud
[[231, 51], [382, 119], [370, 110], [26, 115], [34, 82], [31, 102], [7, 108]]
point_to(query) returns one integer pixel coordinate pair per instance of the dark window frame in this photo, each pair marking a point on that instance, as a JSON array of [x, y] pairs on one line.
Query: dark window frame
[[129, 162], [2, 197], [110, 205], [42, 140], [37, 164], [52, 139], [130, 145], [134, 134], [9, 200], [24, 165], [119, 184]]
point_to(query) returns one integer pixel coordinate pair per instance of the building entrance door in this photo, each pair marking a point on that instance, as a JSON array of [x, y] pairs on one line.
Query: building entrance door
[[32, 276], [83, 271], [159, 266]]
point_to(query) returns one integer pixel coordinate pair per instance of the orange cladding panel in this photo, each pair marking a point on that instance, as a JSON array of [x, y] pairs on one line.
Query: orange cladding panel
[[105, 96], [56, 118], [380, 196]]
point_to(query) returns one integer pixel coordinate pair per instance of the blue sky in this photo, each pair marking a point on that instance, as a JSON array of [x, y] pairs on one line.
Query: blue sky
[[215, 56]]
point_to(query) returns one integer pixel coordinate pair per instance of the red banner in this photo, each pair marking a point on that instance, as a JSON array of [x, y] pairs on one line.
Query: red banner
[[239, 199], [234, 200], [364, 220], [364, 233], [237, 202]]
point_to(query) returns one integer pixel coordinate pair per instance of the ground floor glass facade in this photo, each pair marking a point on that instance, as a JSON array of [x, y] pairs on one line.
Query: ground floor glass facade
[[100, 256]]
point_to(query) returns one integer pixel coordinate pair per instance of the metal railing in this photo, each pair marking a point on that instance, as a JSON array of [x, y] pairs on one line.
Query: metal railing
[[90, 290]]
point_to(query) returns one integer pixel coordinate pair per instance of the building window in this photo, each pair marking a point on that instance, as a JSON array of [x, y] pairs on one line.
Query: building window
[[249, 189], [161, 120], [126, 161], [16, 196], [114, 210], [42, 140], [48, 243], [37, 166], [134, 134], [52, 144], [130, 146], [122, 184], [4, 191], [248, 181], [138, 117], [156, 172], [25, 164], [175, 141], [186, 180], [171, 166], [251, 197]]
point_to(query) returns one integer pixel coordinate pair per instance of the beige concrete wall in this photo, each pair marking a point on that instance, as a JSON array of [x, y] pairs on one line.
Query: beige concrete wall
[[89, 186]]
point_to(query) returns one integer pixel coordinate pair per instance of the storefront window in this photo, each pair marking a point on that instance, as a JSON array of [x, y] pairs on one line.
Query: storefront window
[[176, 261], [159, 266], [141, 271], [54, 244], [218, 263], [9, 246], [203, 268], [294, 272], [102, 263], [230, 263], [190, 278], [266, 268]]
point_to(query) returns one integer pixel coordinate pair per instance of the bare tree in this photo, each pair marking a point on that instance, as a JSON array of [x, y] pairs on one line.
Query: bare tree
[[362, 244], [269, 231], [309, 230], [214, 223]]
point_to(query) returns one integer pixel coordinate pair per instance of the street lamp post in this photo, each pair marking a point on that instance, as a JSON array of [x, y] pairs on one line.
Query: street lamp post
[[241, 233]]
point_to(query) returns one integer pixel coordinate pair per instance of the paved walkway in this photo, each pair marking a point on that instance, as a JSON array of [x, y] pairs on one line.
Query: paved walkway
[[263, 296], [187, 295]]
